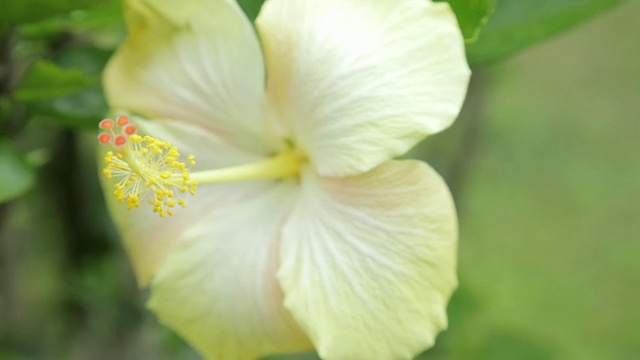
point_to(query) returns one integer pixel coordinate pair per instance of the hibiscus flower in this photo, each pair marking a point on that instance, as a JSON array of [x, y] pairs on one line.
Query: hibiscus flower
[[292, 227]]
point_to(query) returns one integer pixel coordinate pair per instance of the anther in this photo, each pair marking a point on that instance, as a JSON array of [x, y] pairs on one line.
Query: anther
[[106, 124], [122, 120], [120, 140], [104, 138], [129, 129]]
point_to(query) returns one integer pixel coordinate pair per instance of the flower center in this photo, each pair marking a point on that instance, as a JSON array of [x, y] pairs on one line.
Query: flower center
[[145, 168]]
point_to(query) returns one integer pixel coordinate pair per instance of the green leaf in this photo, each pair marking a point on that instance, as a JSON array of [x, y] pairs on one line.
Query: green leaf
[[517, 24], [87, 58], [21, 11], [74, 21], [472, 15], [251, 7], [83, 109], [78, 111], [16, 175], [5, 109], [46, 79]]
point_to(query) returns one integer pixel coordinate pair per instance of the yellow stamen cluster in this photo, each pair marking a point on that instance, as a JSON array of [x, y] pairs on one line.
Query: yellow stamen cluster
[[146, 169], [146, 166]]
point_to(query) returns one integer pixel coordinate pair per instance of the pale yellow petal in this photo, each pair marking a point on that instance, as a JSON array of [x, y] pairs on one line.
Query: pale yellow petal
[[218, 287], [368, 262], [196, 61], [359, 82]]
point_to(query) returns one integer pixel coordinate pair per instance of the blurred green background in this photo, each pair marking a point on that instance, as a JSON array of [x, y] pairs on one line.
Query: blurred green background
[[544, 164]]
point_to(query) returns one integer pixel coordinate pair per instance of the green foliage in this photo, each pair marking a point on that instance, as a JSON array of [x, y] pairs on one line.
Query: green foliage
[[46, 79], [517, 24], [77, 109], [251, 7], [16, 174], [472, 16], [81, 110], [21, 11], [5, 109], [79, 20], [508, 345]]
